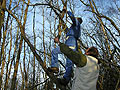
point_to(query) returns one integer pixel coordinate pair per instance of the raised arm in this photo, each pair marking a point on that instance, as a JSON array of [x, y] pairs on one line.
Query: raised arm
[[77, 58], [72, 17]]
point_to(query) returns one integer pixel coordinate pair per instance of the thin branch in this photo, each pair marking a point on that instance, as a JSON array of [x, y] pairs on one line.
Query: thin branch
[[102, 16], [52, 77], [84, 3]]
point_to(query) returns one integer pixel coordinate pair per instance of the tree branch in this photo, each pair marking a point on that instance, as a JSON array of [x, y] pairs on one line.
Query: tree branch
[[52, 77]]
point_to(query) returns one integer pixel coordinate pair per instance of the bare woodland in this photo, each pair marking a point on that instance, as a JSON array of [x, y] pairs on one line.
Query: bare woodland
[[27, 30]]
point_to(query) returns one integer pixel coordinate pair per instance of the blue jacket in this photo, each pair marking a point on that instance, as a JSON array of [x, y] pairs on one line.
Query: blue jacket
[[74, 32]]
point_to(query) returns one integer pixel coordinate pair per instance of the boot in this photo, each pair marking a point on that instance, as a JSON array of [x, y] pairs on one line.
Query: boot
[[53, 69], [63, 81]]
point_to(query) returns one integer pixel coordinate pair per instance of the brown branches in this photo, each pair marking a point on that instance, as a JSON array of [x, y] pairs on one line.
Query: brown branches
[[112, 22], [106, 33], [33, 48]]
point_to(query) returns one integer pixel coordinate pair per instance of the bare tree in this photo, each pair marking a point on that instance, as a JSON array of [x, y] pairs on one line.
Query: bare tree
[[26, 43]]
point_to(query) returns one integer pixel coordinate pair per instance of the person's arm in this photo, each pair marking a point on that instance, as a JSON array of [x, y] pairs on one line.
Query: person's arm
[[72, 17], [77, 58]]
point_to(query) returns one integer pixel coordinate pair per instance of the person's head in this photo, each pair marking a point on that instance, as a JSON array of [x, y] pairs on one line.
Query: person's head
[[92, 51], [79, 19]]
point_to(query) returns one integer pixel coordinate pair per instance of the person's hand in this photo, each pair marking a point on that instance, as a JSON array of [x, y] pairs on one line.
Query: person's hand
[[56, 40]]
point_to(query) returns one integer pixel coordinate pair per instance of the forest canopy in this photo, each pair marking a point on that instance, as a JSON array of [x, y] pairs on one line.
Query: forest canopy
[[27, 31]]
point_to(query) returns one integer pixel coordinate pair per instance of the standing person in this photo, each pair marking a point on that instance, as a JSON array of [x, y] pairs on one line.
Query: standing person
[[72, 34], [87, 68]]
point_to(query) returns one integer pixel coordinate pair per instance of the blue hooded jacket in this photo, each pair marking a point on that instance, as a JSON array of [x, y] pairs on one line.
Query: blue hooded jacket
[[74, 32]]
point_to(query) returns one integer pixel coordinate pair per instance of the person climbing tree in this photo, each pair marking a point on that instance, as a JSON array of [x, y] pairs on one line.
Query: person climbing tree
[[87, 68], [72, 34]]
